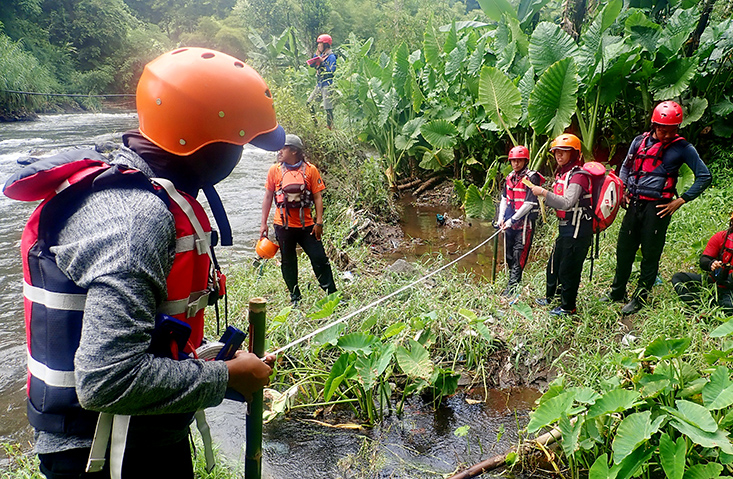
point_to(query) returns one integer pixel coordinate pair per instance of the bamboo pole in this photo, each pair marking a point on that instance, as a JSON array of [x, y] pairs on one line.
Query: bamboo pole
[[498, 461], [253, 448]]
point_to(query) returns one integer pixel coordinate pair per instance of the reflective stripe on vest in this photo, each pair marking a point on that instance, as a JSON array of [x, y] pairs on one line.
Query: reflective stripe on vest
[[54, 305]]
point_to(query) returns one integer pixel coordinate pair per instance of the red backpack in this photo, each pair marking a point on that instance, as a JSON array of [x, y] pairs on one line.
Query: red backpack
[[607, 189]]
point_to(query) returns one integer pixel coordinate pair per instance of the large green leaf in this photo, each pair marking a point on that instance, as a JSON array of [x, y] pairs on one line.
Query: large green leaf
[[674, 78], [415, 362], [599, 469], [339, 371], [630, 466], [526, 85], [476, 205], [494, 9], [358, 342], [694, 414], [642, 31], [549, 44], [570, 434], [440, 133], [710, 470], [500, 97], [431, 47], [550, 411], [615, 400], [366, 370], [694, 110], [330, 335], [672, 456], [718, 438], [456, 58], [634, 430], [327, 306], [592, 45], [476, 60], [401, 70], [667, 348], [718, 392], [553, 100]]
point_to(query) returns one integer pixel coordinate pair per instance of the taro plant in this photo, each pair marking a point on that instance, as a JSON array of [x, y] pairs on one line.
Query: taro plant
[[659, 417]]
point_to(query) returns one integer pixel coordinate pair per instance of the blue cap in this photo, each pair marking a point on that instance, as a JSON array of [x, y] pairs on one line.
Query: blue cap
[[270, 141]]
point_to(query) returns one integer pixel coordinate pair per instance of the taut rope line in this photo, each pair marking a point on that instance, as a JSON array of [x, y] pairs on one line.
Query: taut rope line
[[376, 302]]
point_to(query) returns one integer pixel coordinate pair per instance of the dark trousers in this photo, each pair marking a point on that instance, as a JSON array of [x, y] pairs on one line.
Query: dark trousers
[[565, 267], [641, 227], [138, 463], [517, 244], [692, 288], [289, 238]]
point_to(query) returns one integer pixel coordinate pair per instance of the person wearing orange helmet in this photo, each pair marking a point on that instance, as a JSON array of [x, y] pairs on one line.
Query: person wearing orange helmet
[[324, 61], [571, 198], [715, 262], [518, 211], [119, 268], [649, 172], [296, 187]]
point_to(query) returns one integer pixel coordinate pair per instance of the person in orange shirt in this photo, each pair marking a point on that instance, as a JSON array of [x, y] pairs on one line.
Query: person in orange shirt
[[296, 186]]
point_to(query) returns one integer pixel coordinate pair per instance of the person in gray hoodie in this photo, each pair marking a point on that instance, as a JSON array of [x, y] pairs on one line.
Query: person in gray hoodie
[[106, 259]]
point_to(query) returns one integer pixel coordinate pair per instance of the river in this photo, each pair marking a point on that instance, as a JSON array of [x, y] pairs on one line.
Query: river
[[422, 440]]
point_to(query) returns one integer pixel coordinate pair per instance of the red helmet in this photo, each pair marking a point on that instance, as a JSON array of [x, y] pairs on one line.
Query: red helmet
[[324, 38], [519, 152], [667, 113]]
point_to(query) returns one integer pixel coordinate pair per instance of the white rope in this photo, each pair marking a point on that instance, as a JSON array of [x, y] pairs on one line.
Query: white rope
[[374, 303]]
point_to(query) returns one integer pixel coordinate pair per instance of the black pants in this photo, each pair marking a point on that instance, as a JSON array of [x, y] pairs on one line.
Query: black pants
[[517, 244], [565, 267], [692, 288], [138, 463], [641, 227], [289, 238]]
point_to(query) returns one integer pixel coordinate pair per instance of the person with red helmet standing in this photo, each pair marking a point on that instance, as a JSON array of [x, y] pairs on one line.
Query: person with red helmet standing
[[571, 198], [324, 61], [650, 173], [518, 211], [118, 269]]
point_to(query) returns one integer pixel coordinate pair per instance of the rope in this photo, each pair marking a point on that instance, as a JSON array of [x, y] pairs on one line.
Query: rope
[[69, 94], [376, 302]]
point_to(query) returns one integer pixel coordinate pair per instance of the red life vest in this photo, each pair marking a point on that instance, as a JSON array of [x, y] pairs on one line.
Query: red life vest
[[516, 191], [54, 305], [648, 178], [561, 184], [726, 252], [292, 192]]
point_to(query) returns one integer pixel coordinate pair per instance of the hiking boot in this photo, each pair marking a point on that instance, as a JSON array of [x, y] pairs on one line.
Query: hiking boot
[[632, 306], [559, 311], [509, 292], [542, 301], [608, 298]]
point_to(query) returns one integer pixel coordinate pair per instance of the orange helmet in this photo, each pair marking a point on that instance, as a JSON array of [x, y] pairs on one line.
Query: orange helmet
[[192, 97], [566, 141], [265, 248]]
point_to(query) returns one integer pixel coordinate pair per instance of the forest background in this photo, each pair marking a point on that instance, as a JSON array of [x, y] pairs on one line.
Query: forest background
[[446, 88]]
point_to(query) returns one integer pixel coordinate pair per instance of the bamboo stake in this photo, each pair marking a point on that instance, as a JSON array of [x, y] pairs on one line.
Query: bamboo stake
[[498, 461], [253, 448]]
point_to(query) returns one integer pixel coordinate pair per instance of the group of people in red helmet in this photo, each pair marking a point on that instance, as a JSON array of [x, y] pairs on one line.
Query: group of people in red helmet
[[649, 173]]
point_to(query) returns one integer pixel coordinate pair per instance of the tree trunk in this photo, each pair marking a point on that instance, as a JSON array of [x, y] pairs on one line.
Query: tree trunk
[[572, 17], [694, 40]]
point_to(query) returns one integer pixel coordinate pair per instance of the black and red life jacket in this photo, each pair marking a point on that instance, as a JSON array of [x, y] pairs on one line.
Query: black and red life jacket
[[292, 192], [516, 191], [648, 178], [54, 305], [724, 276]]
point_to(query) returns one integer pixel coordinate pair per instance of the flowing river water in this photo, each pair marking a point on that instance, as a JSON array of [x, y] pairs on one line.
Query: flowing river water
[[421, 440]]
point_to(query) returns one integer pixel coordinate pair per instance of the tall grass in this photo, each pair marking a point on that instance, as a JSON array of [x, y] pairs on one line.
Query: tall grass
[[22, 72]]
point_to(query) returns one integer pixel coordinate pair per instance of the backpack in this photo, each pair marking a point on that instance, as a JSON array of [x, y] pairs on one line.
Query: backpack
[[292, 192], [607, 189]]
